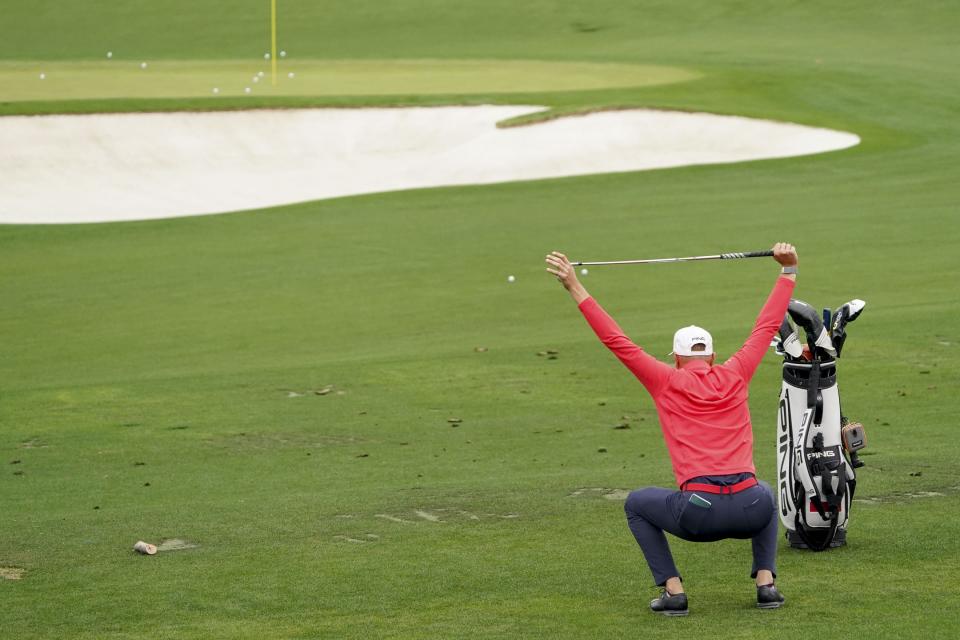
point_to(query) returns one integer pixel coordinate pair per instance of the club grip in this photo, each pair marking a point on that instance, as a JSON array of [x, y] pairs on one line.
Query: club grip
[[746, 254]]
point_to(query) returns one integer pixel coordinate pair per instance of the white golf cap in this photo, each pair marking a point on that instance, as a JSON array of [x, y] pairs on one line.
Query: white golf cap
[[684, 339]]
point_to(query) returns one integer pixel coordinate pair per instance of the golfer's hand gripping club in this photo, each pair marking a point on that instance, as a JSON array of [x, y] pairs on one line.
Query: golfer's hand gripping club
[[559, 265], [785, 254]]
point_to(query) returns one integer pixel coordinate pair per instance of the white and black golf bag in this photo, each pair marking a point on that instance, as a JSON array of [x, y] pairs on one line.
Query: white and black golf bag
[[816, 446]]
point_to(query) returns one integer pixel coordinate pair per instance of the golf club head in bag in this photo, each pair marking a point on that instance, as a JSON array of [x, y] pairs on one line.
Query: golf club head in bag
[[844, 315], [787, 340], [815, 472], [805, 316]]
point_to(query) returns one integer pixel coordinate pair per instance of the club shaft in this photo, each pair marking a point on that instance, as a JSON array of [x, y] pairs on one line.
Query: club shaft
[[719, 256]]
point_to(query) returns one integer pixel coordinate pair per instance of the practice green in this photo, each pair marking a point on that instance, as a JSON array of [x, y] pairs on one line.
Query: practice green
[[179, 79]]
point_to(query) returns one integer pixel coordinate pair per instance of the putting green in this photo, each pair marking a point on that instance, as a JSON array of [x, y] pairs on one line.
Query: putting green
[[189, 78]]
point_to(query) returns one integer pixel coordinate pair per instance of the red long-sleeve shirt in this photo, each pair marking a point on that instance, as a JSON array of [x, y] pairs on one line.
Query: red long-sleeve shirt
[[702, 409]]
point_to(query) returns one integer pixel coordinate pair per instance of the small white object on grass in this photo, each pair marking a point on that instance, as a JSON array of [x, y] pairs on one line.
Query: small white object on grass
[[584, 271], [143, 65], [511, 279], [246, 89], [109, 54], [216, 90], [266, 56], [43, 76], [290, 75], [260, 73], [283, 54], [256, 78]]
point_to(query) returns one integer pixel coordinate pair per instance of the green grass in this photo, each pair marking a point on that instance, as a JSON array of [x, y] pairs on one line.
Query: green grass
[[176, 344], [194, 79]]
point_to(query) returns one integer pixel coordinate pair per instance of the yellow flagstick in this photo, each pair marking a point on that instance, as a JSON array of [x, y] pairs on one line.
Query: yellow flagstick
[[273, 41]]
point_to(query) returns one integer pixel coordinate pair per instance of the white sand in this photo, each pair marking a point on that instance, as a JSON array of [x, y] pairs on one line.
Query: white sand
[[99, 168]]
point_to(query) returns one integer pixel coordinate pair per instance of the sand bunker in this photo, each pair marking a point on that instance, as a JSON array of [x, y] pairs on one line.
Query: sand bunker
[[101, 168]]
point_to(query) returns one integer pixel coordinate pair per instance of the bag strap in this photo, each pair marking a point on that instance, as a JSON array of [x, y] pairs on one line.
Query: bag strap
[[798, 527]]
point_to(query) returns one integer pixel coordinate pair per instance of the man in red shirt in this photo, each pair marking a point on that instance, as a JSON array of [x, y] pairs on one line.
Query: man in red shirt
[[705, 421]]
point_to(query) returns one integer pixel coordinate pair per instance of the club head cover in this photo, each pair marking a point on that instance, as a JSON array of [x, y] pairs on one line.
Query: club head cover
[[856, 308], [787, 342], [825, 342], [844, 315], [809, 318], [806, 317]]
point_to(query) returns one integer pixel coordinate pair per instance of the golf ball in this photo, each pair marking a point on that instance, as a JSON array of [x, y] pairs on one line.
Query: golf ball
[[266, 56], [246, 89], [510, 279], [143, 65], [216, 90], [260, 73], [256, 78], [43, 76], [584, 271], [290, 75], [283, 54], [109, 54]]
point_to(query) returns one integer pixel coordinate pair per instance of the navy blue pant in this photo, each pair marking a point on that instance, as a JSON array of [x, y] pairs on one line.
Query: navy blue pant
[[751, 513]]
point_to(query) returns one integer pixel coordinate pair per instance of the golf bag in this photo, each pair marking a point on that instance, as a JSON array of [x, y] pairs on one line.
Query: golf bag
[[816, 446]]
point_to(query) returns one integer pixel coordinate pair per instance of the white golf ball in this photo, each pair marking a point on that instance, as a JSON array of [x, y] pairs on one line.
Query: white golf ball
[[43, 76], [511, 279], [109, 54], [256, 79], [266, 56], [246, 89], [584, 271], [290, 75], [143, 65], [216, 90], [283, 54], [260, 73]]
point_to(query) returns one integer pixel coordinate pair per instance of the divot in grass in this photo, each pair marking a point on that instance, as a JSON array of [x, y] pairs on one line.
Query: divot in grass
[[176, 544], [260, 441], [602, 492], [392, 518], [11, 573], [899, 497], [449, 515], [617, 494]]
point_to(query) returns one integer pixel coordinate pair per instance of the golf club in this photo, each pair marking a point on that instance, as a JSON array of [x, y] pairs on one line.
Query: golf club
[[720, 256]]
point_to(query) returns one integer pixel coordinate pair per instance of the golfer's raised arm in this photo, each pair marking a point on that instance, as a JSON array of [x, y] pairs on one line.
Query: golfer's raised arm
[[748, 358], [650, 371]]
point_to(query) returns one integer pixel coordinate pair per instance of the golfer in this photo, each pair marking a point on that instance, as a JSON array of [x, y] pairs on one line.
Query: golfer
[[705, 421]]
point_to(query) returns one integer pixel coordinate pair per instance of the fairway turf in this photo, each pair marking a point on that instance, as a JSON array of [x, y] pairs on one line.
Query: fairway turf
[[159, 379]]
